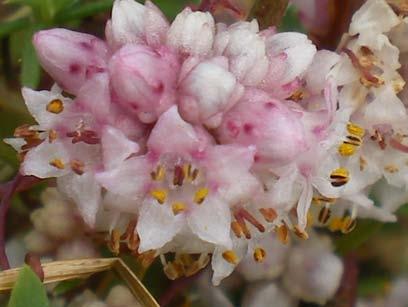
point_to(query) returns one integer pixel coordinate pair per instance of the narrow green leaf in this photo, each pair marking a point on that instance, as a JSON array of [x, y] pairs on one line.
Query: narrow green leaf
[[84, 10], [28, 290], [8, 27], [30, 67]]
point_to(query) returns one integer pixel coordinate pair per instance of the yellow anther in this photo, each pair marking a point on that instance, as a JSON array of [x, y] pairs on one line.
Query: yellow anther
[[178, 207], [160, 195], [336, 224], [324, 215], [348, 224], [237, 229], [339, 177], [283, 233], [346, 149], [187, 171], [259, 254], [309, 219], [114, 242], [52, 136], [355, 130], [391, 168], [230, 256], [57, 163], [300, 233], [160, 173], [55, 106], [398, 85], [200, 195]]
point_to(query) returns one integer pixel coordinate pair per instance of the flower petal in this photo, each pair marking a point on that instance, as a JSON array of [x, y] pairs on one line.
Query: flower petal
[[211, 222], [157, 225]]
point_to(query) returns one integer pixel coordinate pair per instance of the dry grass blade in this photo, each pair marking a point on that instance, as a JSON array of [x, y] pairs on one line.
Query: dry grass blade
[[72, 269]]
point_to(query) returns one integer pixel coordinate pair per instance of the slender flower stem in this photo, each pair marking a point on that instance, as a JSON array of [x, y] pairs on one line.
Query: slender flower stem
[[176, 288], [26, 183], [4, 206]]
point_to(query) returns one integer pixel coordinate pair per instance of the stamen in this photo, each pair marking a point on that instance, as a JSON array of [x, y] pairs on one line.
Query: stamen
[[319, 200], [160, 195], [259, 254], [300, 233], [187, 170], [283, 233], [159, 174], [363, 163], [174, 270], [230, 256], [391, 168], [55, 106], [346, 149], [378, 137], [87, 136], [335, 224], [244, 228], [178, 176], [52, 136], [78, 167], [324, 215], [200, 195], [297, 96], [269, 214], [251, 219], [178, 207], [348, 224], [57, 163], [339, 177], [133, 242], [355, 130], [237, 229], [114, 242], [194, 174]]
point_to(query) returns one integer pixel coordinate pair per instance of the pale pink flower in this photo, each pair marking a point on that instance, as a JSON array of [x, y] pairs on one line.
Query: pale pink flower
[[183, 180]]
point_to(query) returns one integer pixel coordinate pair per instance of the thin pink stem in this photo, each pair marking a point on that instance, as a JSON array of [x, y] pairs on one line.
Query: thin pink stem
[[176, 287]]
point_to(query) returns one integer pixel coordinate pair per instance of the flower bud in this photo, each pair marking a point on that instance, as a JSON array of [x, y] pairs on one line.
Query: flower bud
[[133, 22], [274, 129], [245, 49], [70, 57], [212, 76], [144, 80], [314, 272], [192, 33]]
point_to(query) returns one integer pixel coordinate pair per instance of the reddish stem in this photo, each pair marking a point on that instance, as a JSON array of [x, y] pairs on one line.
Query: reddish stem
[[11, 187], [175, 289]]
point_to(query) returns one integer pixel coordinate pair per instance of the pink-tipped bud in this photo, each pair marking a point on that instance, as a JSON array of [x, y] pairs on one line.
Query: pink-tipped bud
[[271, 126], [70, 57], [144, 80]]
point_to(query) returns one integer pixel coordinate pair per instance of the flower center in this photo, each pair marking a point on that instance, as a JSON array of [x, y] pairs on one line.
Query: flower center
[[180, 185]]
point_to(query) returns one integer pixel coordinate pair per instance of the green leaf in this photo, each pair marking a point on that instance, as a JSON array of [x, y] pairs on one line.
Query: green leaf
[[363, 231], [84, 10], [291, 22], [28, 290], [30, 67], [68, 285], [172, 8], [8, 27]]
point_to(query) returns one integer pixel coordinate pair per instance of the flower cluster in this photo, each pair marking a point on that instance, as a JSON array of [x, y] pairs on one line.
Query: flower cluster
[[198, 138]]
